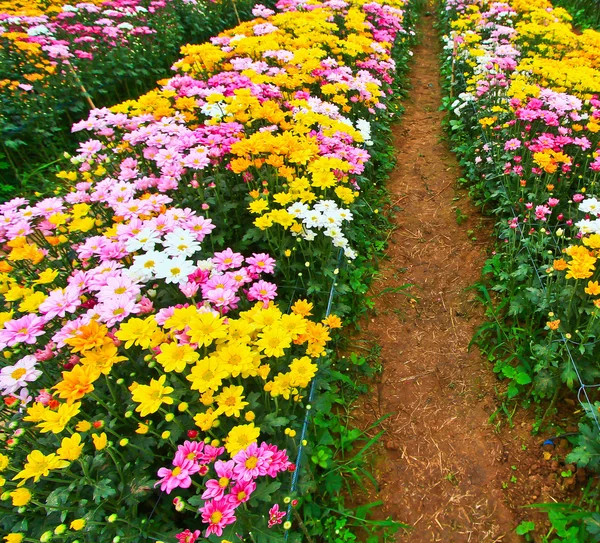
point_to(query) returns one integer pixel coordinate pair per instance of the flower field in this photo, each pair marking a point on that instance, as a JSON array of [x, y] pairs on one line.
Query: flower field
[[164, 320], [59, 60], [526, 122]]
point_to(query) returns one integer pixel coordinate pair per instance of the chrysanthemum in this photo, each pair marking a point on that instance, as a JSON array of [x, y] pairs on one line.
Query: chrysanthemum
[[18, 375], [217, 514]]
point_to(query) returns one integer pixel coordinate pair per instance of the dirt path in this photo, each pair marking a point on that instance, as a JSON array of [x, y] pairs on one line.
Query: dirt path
[[443, 469]]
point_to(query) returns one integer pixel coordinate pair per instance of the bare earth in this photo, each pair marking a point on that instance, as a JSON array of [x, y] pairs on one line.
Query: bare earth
[[443, 468]]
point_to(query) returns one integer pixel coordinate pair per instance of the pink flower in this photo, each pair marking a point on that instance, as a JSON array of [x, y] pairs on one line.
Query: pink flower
[[178, 477], [215, 488], [217, 514], [577, 198], [275, 516], [60, 302], [251, 462], [553, 202], [263, 291], [211, 453], [187, 536], [241, 492], [43, 397], [278, 462], [261, 263], [23, 330], [227, 259], [190, 450]]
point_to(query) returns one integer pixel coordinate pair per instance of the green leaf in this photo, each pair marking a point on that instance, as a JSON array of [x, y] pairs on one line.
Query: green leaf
[[103, 490], [525, 527]]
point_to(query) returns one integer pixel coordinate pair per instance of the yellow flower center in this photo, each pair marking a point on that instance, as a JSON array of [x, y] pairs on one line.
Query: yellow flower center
[[216, 517], [223, 482], [251, 462], [120, 290], [18, 373], [241, 495], [176, 471]]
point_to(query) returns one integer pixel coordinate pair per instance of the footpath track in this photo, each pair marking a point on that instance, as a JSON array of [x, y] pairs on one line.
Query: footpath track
[[443, 469]]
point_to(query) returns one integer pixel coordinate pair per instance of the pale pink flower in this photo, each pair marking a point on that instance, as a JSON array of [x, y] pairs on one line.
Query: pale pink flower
[[23, 330], [261, 263], [227, 259], [60, 302]]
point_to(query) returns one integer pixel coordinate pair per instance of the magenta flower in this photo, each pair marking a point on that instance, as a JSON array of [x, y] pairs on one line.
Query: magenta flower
[[275, 516], [217, 514], [191, 450], [60, 302]]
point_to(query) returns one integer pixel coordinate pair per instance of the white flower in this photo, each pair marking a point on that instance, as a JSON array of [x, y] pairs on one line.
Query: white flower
[[588, 227], [18, 375], [175, 270], [180, 242], [215, 110], [298, 209], [144, 266], [145, 239], [590, 205], [309, 235]]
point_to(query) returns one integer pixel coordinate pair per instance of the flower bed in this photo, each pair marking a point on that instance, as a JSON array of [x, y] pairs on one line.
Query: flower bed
[[164, 320], [57, 64], [526, 119]]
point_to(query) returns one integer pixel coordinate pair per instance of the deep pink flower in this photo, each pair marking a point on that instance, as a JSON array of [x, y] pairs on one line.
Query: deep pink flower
[[241, 492], [217, 514], [187, 536]]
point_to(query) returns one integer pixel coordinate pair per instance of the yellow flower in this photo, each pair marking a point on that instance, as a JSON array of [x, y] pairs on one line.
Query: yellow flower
[[273, 341], [86, 337], [83, 426], [77, 524], [230, 401], [70, 448], [333, 321], [175, 357], [258, 206], [152, 396], [205, 328], [14, 538], [240, 437], [20, 497], [206, 420], [302, 370], [55, 421], [593, 288], [100, 441], [207, 374], [103, 358], [137, 332], [31, 302], [39, 465], [302, 307], [3, 462], [142, 428]]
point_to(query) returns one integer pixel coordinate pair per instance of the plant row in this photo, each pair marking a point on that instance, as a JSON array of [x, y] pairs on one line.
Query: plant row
[[526, 123], [59, 62], [164, 321]]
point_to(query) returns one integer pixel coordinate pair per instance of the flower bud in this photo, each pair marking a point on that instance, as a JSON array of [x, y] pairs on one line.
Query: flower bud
[[46, 536], [112, 518], [169, 417], [60, 529]]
